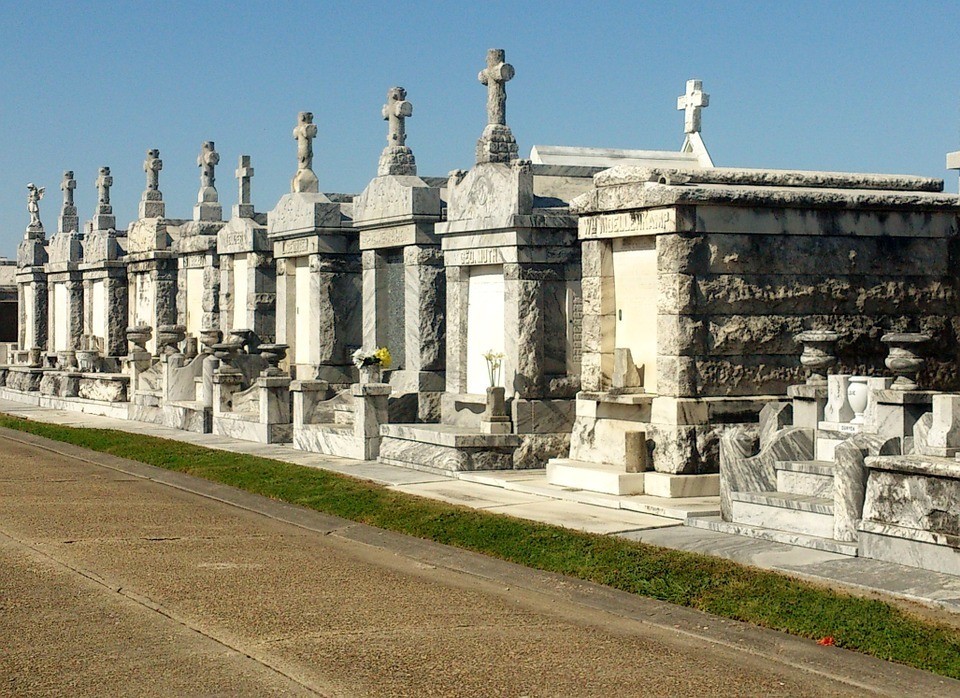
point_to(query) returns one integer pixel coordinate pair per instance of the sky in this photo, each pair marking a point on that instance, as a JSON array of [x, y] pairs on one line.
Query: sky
[[852, 86]]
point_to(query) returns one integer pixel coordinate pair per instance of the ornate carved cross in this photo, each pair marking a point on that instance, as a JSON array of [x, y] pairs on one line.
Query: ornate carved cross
[[691, 104], [304, 133], [495, 77], [207, 161], [152, 166], [395, 111], [67, 186], [104, 182]]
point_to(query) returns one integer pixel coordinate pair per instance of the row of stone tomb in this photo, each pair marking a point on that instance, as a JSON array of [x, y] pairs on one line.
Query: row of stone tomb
[[644, 304]]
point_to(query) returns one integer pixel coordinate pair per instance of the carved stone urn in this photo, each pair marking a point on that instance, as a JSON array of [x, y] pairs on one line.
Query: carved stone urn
[[168, 337], [273, 354], [248, 339], [227, 352], [819, 353], [88, 360], [208, 337], [138, 336], [904, 359]]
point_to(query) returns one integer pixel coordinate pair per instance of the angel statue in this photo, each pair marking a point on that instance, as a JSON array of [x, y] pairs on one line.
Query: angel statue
[[33, 204]]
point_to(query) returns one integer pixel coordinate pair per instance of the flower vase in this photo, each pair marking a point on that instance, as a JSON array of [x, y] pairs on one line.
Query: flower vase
[[371, 374], [857, 393]]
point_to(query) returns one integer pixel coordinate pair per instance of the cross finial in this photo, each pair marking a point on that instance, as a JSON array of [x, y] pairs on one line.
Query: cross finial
[[207, 161], [395, 111], [103, 184], [244, 172], [305, 180], [495, 77], [152, 166], [67, 186], [691, 104]]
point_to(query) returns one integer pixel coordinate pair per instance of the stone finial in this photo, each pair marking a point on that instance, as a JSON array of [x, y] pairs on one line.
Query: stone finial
[[34, 194], [67, 185], [692, 103], [151, 203], [69, 221], [103, 183], [305, 180], [207, 161], [244, 173], [103, 218], [497, 143], [397, 158], [208, 201]]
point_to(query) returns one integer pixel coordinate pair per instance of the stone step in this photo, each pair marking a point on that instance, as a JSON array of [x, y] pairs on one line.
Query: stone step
[[441, 448], [784, 511], [593, 477], [715, 523], [807, 477]]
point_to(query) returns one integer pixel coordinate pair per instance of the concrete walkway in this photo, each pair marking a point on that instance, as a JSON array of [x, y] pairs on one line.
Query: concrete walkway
[[117, 578], [526, 494]]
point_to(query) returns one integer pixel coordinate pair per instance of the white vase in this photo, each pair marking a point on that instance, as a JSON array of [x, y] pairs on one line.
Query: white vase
[[857, 393], [370, 374]]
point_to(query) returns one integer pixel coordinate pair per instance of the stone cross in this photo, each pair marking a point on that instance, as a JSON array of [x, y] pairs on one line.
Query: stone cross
[[34, 194], [691, 104], [104, 182], [152, 166], [305, 180], [244, 172], [244, 175], [395, 111], [207, 161], [67, 186], [495, 77]]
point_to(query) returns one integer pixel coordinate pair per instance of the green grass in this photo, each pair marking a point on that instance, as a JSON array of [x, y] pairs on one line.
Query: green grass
[[697, 581]]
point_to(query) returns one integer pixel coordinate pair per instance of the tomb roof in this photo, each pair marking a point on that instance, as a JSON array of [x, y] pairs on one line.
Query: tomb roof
[[642, 187]]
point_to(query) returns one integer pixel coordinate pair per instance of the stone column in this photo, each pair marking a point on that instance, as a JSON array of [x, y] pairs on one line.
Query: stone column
[[227, 287], [424, 301], [373, 302], [211, 291], [262, 284], [370, 411], [457, 280], [116, 289], [75, 300], [286, 311], [599, 318]]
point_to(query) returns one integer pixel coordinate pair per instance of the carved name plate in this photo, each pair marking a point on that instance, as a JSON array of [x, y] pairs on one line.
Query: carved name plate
[[631, 223], [394, 236], [486, 255]]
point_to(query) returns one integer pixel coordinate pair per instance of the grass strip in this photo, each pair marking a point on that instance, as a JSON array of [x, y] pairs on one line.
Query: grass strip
[[717, 586]]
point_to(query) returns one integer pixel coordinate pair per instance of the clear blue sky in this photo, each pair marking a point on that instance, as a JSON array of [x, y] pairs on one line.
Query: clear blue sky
[[859, 86]]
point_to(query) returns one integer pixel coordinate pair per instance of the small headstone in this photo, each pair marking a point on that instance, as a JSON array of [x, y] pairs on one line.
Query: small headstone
[[627, 376], [943, 439]]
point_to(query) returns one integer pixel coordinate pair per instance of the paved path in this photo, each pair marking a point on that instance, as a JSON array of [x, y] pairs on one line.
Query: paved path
[[526, 494], [117, 578]]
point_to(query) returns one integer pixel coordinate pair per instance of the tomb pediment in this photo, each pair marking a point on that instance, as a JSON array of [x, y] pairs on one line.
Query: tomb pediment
[[64, 248], [242, 235], [100, 246], [31, 252], [395, 197], [148, 235], [303, 212], [492, 190]]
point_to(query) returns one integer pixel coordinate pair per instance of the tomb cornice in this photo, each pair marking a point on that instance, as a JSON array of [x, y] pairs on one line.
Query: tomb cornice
[[482, 226]]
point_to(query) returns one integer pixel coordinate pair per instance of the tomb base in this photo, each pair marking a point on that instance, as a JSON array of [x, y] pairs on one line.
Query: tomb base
[[446, 448], [238, 426], [594, 477], [186, 416]]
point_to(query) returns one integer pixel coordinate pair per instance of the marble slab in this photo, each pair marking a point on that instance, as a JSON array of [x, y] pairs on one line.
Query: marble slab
[[584, 518]]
